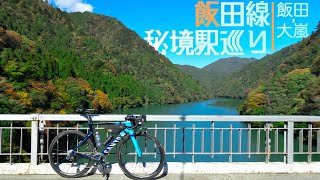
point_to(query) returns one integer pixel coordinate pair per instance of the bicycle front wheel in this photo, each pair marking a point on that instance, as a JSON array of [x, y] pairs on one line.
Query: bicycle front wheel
[[76, 164], [149, 165]]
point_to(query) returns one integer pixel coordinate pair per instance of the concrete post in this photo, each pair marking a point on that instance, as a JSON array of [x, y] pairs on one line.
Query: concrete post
[[34, 139], [290, 141]]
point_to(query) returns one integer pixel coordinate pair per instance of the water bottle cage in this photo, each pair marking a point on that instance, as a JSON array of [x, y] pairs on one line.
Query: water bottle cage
[[108, 140]]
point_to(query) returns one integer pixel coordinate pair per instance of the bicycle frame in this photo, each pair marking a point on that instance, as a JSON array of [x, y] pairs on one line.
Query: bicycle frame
[[128, 130]]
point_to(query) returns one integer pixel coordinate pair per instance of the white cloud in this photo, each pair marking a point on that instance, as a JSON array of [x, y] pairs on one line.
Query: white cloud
[[81, 7], [73, 5]]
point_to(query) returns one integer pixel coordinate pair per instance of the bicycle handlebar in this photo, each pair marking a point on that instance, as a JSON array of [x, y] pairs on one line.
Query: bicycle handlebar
[[84, 110], [136, 120]]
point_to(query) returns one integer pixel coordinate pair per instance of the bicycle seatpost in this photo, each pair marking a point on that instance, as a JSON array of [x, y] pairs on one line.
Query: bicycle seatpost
[[89, 118]]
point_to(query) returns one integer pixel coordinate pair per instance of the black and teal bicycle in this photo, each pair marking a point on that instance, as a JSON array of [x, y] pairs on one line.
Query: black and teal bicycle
[[139, 155]]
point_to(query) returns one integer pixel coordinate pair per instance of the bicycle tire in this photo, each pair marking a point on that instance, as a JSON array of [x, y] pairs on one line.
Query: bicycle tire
[[51, 153], [123, 165]]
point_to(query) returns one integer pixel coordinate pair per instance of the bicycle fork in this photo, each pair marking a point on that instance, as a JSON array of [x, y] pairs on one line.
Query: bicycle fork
[[136, 145]]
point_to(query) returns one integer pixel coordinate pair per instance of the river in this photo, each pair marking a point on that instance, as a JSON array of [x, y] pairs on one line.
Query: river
[[218, 106]]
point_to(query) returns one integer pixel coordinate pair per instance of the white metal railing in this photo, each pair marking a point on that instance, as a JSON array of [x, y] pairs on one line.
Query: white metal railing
[[180, 140]]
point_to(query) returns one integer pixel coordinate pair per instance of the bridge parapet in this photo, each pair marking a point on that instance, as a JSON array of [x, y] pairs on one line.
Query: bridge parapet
[[197, 137]]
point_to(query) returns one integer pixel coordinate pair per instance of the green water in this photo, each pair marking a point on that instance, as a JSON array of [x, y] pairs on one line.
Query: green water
[[219, 106]]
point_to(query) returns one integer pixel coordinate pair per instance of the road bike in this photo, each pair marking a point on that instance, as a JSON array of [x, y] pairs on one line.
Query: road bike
[[139, 155]]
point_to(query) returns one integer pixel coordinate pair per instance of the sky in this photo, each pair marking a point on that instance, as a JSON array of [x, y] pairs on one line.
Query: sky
[[180, 15]]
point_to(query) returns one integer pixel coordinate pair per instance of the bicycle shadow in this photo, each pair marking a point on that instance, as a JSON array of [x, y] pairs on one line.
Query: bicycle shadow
[[163, 174], [164, 171]]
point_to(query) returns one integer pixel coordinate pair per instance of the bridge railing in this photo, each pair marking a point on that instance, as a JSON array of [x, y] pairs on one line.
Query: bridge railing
[[199, 138]]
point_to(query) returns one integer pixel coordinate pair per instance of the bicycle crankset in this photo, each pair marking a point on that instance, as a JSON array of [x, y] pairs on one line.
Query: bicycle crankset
[[103, 166]]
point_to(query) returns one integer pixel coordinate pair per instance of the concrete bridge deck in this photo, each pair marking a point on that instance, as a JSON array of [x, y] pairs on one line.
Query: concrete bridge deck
[[183, 168], [309, 176], [188, 171]]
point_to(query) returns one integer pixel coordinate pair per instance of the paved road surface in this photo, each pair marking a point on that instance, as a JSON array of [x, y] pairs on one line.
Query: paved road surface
[[177, 177]]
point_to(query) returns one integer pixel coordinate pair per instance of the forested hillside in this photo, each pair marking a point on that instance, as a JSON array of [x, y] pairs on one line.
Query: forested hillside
[[214, 75], [53, 61], [239, 83], [286, 82], [293, 86], [242, 81], [226, 66]]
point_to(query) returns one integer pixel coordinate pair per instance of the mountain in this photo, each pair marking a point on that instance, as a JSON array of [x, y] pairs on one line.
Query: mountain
[[286, 82], [53, 61], [227, 65], [213, 76], [220, 67], [198, 74], [191, 70]]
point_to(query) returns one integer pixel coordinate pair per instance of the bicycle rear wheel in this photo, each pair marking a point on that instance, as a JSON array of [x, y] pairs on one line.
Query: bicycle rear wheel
[[75, 165], [146, 167]]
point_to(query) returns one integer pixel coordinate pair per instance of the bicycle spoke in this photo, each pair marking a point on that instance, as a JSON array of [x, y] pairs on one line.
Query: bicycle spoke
[[64, 160], [147, 164]]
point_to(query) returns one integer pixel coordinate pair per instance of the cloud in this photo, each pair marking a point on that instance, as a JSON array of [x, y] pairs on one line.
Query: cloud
[[82, 7], [72, 5]]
